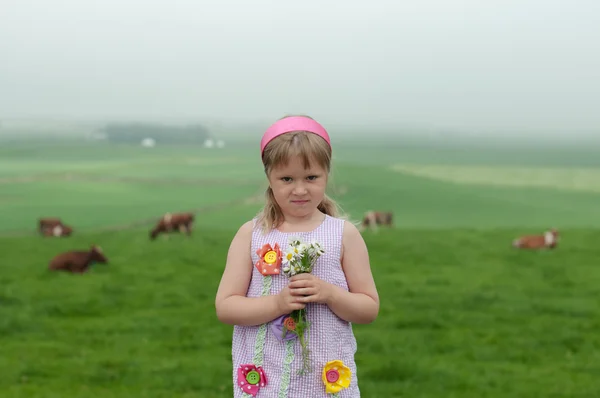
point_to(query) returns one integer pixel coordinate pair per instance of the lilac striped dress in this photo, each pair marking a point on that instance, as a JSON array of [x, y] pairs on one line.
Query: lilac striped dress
[[329, 337]]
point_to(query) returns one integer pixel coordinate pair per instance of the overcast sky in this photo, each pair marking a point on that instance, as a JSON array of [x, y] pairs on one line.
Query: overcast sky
[[474, 65]]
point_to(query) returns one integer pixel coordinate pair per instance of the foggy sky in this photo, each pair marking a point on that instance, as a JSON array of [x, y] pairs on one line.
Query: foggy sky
[[473, 65]]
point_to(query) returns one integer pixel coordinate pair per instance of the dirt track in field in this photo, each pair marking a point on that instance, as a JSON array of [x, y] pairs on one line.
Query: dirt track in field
[[147, 222], [254, 199]]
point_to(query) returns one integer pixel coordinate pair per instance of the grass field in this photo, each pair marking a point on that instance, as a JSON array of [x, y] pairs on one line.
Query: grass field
[[462, 314]]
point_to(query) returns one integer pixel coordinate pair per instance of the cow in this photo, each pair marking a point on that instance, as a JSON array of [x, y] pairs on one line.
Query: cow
[[372, 219], [48, 222], [173, 222], [548, 240], [53, 227], [58, 231], [77, 261]]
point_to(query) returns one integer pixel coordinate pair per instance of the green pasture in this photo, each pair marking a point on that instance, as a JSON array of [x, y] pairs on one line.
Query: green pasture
[[104, 186], [462, 313]]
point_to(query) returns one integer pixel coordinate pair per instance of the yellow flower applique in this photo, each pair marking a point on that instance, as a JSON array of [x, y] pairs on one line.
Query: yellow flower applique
[[336, 376]]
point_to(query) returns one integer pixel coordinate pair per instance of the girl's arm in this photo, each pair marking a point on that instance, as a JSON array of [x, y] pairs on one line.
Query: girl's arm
[[232, 305], [361, 303]]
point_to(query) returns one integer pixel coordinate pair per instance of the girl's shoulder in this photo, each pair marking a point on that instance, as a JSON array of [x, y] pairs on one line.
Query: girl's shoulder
[[347, 224], [244, 232], [248, 226], [351, 235]]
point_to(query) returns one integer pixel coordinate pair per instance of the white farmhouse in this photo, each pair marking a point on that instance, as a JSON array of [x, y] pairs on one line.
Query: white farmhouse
[[148, 142], [209, 143]]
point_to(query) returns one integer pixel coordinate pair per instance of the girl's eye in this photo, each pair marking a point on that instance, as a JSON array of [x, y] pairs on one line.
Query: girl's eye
[[312, 178], [286, 179]]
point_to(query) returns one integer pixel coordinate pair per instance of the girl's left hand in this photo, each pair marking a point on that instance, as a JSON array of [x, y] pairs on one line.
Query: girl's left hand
[[312, 288]]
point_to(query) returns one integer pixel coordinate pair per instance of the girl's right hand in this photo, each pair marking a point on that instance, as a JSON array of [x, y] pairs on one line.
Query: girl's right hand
[[288, 303]]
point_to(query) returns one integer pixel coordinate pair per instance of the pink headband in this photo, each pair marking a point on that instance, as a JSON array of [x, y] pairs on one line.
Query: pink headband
[[293, 123]]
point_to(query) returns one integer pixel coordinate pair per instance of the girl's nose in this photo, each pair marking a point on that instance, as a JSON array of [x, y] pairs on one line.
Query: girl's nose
[[299, 189]]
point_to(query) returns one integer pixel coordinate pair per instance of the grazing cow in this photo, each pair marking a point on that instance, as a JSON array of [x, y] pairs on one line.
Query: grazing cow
[[54, 227], [58, 231], [373, 219], [77, 261], [48, 222], [173, 222], [548, 240]]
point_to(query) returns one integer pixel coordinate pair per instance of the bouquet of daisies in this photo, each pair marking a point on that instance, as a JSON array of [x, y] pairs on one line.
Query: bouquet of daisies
[[300, 258]]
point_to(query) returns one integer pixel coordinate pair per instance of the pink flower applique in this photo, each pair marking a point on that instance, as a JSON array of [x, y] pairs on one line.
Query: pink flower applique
[[251, 378]]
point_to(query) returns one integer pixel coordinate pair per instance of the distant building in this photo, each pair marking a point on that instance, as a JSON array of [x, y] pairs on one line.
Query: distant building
[[134, 133], [209, 143], [148, 142]]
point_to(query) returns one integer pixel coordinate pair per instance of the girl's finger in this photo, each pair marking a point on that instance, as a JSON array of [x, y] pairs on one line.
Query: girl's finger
[[304, 291], [298, 304], [313, 298], [300, 283], [299, 277]]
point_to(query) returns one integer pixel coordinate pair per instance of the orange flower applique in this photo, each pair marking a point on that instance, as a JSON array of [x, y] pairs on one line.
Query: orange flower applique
[[289, 323], [269, 259]]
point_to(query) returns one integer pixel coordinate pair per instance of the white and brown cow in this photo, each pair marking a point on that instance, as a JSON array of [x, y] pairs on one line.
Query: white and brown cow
[[54, 227], [173, 222], [548, 240], [373, 219]]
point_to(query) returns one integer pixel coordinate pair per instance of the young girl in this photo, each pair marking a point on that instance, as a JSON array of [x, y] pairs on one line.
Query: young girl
[[257, 298]]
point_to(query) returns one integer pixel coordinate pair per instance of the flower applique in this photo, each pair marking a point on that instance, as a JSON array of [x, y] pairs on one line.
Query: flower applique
[[269, 259], [336, 376], [282, 326], [251, 379]]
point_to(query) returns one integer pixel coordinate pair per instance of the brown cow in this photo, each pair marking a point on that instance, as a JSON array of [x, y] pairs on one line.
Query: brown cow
[[77, 261], [58, 231], [48, 222], [173, 222], [372, 219], [54, 227], [548, 240]]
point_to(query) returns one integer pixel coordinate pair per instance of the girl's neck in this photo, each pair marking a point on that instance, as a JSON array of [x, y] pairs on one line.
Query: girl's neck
[[302, 224]]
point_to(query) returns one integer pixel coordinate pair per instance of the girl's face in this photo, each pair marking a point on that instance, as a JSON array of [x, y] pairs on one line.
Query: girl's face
[[298, 191]]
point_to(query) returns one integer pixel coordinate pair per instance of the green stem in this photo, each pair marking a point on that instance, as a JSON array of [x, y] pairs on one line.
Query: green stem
[[299, 317]]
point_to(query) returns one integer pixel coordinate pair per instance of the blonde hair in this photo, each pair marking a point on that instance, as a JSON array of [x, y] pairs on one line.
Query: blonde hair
[[309, 147]]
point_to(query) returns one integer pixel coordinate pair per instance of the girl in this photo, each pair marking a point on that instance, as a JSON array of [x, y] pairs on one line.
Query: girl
[[257, 298]]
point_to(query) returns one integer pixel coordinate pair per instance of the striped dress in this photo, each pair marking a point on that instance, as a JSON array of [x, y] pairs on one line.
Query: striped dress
[[329, 337]]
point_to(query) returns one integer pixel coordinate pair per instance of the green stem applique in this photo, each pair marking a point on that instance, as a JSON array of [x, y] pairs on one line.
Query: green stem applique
[[287, 361], [262, 332]]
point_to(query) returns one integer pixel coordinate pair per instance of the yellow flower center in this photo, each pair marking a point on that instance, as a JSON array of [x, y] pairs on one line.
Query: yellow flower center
[[270, 257]]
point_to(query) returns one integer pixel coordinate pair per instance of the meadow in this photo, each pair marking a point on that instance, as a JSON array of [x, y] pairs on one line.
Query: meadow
[[462, 313]]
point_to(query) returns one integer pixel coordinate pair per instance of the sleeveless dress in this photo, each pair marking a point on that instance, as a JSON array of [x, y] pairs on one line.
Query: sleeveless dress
[[330, 338]]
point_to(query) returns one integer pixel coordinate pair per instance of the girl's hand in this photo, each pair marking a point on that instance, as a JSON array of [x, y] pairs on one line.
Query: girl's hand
[[287, 303], [310, 289]]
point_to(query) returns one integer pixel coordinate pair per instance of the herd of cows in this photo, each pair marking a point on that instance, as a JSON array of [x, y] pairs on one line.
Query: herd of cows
[[79, 261], [547, 240]]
